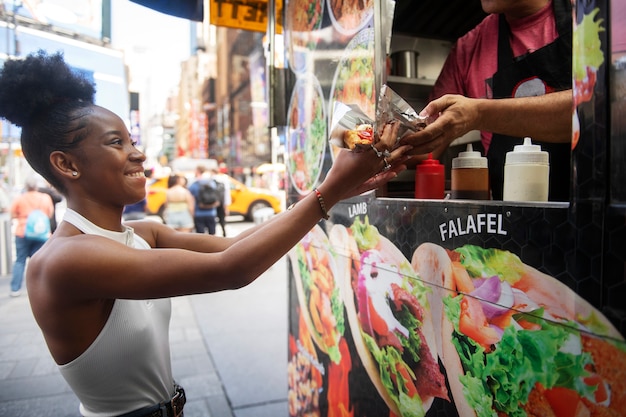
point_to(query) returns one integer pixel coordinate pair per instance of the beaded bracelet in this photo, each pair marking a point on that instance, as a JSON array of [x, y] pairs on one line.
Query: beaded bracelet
[[320, 199]]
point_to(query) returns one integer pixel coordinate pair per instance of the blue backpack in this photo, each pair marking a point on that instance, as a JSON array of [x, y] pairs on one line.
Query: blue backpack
[[37, 226]]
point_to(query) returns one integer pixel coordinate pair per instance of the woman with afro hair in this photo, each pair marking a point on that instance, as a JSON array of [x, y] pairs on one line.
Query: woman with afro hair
[[99, 288]]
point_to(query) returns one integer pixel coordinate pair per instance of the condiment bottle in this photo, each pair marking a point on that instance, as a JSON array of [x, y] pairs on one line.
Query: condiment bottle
[[430, 179], [526, 173], [470, 175]]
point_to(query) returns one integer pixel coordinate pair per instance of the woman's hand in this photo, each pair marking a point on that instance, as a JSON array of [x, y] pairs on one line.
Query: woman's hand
[[355, 172]]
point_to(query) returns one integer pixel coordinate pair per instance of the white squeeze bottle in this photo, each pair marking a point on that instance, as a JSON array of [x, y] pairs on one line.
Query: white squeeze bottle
[[526, 173]]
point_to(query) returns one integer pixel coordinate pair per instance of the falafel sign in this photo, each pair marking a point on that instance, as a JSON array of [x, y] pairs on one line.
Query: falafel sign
[[491, 223]]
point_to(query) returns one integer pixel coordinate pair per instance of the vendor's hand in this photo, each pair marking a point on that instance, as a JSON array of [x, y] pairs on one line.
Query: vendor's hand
[[454, 116], [354, 173]]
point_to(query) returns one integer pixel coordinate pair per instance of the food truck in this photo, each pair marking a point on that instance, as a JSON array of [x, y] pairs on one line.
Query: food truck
[[430, 307]]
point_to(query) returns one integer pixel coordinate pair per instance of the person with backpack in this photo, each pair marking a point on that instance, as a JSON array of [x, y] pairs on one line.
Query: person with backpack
[[32, 211], [204, 191], [223, 188], [56, 199]]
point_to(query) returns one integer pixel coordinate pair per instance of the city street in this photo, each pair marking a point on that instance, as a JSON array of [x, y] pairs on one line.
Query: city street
[[229, 351]]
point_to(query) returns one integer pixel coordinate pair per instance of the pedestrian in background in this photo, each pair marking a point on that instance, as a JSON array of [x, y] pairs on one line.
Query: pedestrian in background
[[56, 199], [25, 247], [99, 288], [223, 188], [5, 201], [139, 210], [205, 211], [180, 204], [135, 211]]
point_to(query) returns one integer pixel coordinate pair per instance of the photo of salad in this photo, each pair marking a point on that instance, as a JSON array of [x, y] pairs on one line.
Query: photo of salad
[[350, 16], [306, 133], [354, 81], [301, 19]]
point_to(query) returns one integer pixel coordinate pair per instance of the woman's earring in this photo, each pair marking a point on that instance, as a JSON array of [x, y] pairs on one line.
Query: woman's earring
[[74, 173]]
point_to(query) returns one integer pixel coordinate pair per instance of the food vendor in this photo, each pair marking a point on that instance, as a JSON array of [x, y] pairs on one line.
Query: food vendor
[[531, 75]]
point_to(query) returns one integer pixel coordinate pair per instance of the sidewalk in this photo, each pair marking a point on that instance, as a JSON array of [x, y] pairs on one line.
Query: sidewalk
[[229, 351]]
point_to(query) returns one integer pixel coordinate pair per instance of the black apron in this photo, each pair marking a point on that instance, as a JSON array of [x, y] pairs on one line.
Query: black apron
[[551, 64]]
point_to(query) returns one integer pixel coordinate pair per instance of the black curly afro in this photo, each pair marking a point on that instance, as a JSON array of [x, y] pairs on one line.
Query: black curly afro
[[49, 101]]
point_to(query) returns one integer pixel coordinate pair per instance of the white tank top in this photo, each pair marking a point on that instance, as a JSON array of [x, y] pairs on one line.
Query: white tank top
[[128, 366]]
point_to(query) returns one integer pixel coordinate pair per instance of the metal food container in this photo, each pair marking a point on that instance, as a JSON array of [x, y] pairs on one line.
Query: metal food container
[[404, 63]]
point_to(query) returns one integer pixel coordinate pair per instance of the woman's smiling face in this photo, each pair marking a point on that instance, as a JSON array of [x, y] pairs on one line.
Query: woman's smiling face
[[110, 164]]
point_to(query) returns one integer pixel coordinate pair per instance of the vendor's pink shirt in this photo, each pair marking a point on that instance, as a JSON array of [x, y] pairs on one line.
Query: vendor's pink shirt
[[618, 28], [473, 59]]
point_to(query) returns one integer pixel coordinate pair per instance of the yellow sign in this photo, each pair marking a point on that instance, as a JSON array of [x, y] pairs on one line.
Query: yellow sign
[[244, 14]]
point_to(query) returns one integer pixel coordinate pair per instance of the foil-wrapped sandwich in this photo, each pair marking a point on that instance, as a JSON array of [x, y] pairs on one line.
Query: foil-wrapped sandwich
[[350, 127], [353, 129], [391, 107]]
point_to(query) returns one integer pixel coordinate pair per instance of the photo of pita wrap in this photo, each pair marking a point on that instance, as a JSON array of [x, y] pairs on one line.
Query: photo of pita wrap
[[517, 342], [319, 294], [389, 319]]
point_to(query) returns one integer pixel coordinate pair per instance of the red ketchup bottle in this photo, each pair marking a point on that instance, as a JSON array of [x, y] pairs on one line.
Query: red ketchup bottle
[[430, 179]]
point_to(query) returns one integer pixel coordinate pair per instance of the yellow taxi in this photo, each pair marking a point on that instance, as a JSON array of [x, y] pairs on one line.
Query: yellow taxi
[[245, 200], [155, 196]]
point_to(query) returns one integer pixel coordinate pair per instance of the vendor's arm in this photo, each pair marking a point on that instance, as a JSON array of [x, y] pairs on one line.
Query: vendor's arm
[[545, 118]]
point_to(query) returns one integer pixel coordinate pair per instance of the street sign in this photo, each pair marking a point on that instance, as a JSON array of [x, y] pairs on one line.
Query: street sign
[[244, 14]]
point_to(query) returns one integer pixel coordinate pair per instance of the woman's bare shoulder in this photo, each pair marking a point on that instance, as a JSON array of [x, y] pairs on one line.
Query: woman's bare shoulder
[[60, 253], [87, 267]]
